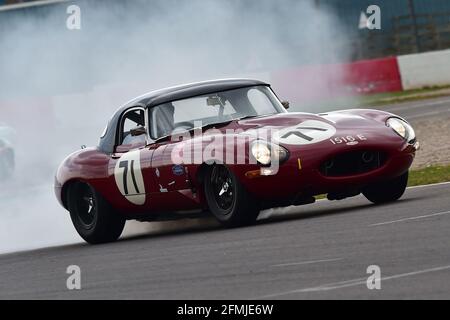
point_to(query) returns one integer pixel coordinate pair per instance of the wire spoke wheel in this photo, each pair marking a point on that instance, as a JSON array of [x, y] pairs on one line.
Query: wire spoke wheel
[[223, 187], [227, 198], [86, 206], [92, 215]]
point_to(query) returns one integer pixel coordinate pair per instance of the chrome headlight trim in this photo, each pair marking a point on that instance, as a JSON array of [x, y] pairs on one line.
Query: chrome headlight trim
[[402, 128], [265, 152], [261, 152]]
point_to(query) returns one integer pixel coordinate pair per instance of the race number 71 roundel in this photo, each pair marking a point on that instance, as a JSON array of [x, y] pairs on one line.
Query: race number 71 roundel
[[307, 132], [129, 179]]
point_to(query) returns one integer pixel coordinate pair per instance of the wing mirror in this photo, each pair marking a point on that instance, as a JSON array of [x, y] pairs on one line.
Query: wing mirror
[[138, 131], [285, 104]]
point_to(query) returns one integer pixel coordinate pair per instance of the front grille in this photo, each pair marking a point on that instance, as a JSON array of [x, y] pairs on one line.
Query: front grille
[[353, 163]]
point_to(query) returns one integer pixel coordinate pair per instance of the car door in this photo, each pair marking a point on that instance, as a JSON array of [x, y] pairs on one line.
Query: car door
[[131, 160], [175, 188], [170, 176]]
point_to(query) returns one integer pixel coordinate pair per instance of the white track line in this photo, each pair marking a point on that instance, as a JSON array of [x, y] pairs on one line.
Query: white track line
[[353, 283], [430, 185], [305, 262], [409, 219], [29, 4]]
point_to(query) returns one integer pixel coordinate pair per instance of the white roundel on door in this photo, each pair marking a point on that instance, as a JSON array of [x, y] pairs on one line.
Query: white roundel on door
[[307, 132], [129, 178]]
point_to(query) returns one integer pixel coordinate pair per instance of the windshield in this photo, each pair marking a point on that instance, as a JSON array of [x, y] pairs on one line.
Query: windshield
[[212, 108]]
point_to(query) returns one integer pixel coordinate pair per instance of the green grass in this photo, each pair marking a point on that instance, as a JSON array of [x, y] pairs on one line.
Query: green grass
[[424, 176], [429, 175], [402, 96]]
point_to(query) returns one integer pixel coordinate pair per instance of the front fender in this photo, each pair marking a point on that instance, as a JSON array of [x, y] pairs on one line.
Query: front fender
[[87, 165]]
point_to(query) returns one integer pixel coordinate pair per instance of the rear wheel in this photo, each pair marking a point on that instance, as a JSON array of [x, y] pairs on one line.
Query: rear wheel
[[387, 191], [92, 216], [227, 198]]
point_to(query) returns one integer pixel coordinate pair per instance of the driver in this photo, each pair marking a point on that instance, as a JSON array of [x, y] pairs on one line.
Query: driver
[[165, 122]]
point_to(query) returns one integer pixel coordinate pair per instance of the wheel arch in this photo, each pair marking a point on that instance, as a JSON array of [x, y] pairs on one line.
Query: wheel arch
[[204, 167], [65, 190]]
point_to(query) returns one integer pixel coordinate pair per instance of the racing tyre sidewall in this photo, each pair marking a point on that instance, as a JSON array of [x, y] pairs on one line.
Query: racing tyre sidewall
[[239, 209], [387, 191], [92, 216]]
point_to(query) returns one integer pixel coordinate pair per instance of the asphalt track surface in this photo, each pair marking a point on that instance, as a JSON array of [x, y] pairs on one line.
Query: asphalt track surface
[[319, 251], [421, 109]]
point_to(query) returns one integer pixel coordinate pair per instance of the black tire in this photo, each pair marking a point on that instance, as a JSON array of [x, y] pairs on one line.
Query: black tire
[[92, 216], [387, 191], [227, 198]]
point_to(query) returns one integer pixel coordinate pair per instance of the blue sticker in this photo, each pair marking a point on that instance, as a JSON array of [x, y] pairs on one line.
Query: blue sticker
[[178, 170]]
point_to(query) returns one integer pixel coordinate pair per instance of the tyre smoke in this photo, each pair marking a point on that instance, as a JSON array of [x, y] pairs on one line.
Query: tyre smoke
[[58, 87]]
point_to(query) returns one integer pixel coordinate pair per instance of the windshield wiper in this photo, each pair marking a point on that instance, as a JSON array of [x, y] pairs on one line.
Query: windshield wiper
[[253, 116], [246, 117]]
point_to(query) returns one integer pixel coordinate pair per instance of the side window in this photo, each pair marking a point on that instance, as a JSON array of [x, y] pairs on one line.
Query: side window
[[260, 102], [132, 120]]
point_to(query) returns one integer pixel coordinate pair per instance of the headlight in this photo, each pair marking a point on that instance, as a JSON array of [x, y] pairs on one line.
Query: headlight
[[265, 152], [402, 128], [261, 152]]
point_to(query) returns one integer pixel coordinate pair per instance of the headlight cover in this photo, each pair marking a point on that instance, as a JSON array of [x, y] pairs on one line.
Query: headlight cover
[[265, 152], [402, 128]]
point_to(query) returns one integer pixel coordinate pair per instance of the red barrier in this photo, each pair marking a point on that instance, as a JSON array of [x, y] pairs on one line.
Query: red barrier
[[322, 82]]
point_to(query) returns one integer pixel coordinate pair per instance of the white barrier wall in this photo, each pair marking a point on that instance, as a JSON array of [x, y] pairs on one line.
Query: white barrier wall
[[425, 69]]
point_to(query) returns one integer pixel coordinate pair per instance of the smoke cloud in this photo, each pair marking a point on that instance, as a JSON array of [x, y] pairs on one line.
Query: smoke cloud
[[58, 87]]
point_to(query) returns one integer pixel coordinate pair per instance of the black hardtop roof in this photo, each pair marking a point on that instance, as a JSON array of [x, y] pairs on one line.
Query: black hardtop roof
[[185, 91], [162, 96]]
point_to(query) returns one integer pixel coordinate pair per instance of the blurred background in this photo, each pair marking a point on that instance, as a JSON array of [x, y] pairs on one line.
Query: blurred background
[[59, 86]]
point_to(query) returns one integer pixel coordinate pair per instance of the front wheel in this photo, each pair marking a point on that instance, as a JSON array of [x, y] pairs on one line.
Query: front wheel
[[227, 198], [387, 191], [92, 216]]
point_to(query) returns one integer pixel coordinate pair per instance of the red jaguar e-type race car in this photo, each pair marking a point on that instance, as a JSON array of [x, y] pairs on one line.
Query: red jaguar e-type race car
[[228, 147]]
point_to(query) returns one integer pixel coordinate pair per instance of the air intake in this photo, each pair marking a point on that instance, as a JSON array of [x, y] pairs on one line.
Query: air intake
[[353, 163]]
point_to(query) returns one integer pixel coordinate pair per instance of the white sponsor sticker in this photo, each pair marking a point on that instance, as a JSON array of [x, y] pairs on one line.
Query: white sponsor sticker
[[129, 178], [307, 132]]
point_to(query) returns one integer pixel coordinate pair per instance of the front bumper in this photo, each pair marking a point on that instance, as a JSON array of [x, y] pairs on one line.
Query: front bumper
[[301, 176]]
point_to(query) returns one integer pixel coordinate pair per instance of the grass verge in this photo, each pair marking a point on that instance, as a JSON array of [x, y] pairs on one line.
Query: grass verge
[[403, 96], [429, 175]]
